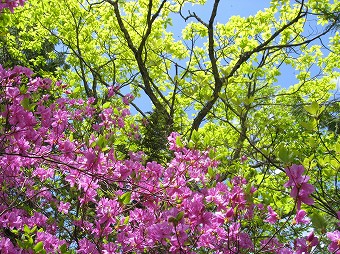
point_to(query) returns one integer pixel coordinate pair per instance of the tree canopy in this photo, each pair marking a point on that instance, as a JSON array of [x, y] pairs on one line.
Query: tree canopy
[[240, 152]]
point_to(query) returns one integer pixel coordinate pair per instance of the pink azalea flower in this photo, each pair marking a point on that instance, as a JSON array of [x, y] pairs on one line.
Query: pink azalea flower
[[51, 242], [285, 251], [273, 217], [107, 209], [85, 182], [243, 158], [127, 99], [238, 197], [334, 246], [37, 219], [11, 5], [6, 246], [126, 112], [72, 177], [301, 246], [43, 174], [64, 207], [300, 217], [91, 100], [178, 239], [60, 121], [294, 173], [88, 196], [121, 122], [271, 245], [67, 148], [244, 241], [20, 69], [312, 240], [159, 232], [12, 219], [111, 91], [301, 189], [109, 248], [172, 141], [85, 247]]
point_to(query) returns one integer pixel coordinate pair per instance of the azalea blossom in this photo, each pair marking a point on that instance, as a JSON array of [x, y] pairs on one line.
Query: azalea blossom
[[64, 207], [272, 216], [334, 246], [300, 217], [301, 189]]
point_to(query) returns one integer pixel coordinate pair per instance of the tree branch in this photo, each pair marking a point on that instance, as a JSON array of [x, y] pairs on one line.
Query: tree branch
[[242, 59], [138, 52]]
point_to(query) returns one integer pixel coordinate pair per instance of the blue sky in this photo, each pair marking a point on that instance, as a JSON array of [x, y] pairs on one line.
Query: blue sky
[[227, 9]]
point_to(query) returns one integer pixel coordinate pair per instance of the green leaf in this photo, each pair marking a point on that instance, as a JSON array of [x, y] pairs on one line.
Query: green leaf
[[212, 153], [34, 229], [312, 142], [21, 244], [284, 154], [26, 103], [312, 109], [29, 241], [71, 138], [39, 247], [106, 104], [172, 220], [310, 125], [206, 140], [101, 141], [195, 137], [318, 221], [63, 249], [106, 148], [116, 111], [77, 89], [27, 230], [93, 144], [23, 89], [179, 216], [125, 198], [211, 172], [249, 100], [179, 141], [337, 147], [191, 144]]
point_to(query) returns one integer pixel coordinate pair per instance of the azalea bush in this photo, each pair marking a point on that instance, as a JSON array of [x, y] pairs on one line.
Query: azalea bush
[[63, 190]]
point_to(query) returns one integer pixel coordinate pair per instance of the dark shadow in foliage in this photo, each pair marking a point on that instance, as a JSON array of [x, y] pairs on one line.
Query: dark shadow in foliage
[[330, 117], [155, 137], [9, 60]]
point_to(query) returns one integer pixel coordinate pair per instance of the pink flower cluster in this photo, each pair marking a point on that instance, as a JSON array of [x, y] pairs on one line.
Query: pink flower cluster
[[301, 188], [11, 4], [334, 247], [62, 178]]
